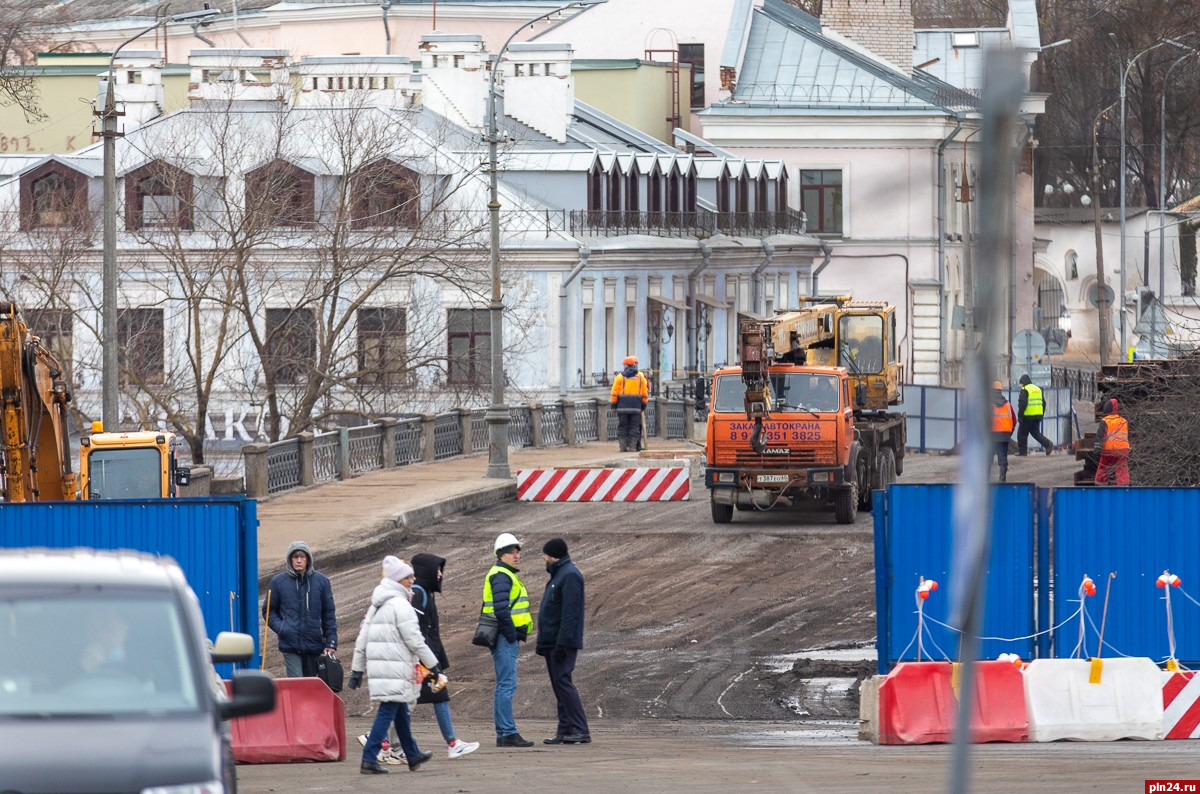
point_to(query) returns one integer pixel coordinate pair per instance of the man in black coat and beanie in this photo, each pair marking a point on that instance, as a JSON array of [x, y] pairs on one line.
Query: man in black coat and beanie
[[559, 639]]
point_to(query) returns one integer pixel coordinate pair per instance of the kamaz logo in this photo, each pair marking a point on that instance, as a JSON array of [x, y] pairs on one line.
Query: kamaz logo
[[776, 451]]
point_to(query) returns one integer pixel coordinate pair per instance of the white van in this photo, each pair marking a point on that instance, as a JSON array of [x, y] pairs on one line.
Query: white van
[[106, 678]]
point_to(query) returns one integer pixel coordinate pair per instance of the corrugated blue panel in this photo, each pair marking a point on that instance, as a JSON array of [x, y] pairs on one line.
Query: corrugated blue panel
[[914, 538], [1138, 533], [214, 540]]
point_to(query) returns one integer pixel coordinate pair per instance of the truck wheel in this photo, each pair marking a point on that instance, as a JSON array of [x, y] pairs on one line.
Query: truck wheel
[[862, 481], [721, 514], [899, 462], [887, 468], [845, 504]]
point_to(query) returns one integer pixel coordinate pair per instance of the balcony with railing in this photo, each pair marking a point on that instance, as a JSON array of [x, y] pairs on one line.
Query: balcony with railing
[[700, 224]]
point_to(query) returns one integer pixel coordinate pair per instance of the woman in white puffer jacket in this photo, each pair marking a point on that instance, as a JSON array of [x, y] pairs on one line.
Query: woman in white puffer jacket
[[388, 648]]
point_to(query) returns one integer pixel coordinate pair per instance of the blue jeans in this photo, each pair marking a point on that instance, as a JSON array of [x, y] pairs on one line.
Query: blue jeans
[[390, 713], [442, 712], [504, 657]]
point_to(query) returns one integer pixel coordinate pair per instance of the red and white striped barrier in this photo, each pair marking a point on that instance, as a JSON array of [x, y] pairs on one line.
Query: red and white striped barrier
[[643, 484], [1181, 706]]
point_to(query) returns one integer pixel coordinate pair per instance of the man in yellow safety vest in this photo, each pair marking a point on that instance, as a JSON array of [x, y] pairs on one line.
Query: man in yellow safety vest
[[1030, 408], [505, 596]]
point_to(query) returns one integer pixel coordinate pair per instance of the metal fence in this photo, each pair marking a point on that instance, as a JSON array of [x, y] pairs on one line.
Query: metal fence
[[934, 416], [308, 459], [1081, 382]]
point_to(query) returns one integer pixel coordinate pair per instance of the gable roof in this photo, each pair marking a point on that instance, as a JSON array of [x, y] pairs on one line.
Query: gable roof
[[789, 61]]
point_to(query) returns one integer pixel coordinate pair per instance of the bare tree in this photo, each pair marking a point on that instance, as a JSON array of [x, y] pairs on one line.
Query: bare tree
[[23, 26]]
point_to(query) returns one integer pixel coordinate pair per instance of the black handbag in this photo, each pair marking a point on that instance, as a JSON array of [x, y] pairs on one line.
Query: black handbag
[[487, 631], [329, 670]]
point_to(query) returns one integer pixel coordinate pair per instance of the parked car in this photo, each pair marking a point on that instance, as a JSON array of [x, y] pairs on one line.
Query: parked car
[[107, 681]]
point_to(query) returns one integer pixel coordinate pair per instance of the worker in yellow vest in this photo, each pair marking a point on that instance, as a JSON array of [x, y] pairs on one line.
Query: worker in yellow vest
[[1004, 419], [1030, 408], [505, 596], [1112, 443]]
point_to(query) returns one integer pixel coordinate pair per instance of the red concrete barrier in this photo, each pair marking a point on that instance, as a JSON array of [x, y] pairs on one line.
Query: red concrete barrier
[[308, 723], [918, 704]]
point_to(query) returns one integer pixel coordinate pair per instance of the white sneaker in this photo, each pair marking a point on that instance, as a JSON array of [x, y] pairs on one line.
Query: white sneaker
[[362, 739], [461, 748], [392, 757]]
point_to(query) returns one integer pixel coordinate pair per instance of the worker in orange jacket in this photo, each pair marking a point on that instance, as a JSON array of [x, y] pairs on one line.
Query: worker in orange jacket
[[1112, 444], [1004, 419], [630, 394]]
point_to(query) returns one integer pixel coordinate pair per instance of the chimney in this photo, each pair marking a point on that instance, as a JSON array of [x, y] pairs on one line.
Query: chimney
[[454, 77], [539, 90], [239, 75], [137, 86], [340, 80], [885, 27]]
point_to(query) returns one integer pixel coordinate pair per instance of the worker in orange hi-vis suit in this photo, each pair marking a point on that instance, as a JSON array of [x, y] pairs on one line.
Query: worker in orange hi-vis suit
[[630, 394], [1004, 419], [1112, 443]]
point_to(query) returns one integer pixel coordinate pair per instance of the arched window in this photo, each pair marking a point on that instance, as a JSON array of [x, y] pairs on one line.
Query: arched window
[[1071, 264], [595, 201]]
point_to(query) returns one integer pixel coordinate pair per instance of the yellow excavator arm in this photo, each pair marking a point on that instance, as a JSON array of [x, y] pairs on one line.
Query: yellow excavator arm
[[33, 412]]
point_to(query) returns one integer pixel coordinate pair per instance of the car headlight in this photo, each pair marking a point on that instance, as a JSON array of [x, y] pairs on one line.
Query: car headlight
[[211, 787], [725, 476], [820, 476]]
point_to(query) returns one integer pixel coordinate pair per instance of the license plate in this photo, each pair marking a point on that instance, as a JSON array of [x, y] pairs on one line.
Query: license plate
[[772, 478]]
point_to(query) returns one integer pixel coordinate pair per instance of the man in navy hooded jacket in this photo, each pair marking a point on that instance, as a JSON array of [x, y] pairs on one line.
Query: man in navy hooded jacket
[[299, 609], [559, 639]]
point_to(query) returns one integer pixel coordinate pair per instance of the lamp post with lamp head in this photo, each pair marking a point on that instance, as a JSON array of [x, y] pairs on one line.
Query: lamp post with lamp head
[[1124, 76], [1162, 167], [108, 311], [497, 413]]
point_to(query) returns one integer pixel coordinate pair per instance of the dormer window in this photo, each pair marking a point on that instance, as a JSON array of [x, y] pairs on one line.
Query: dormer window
[[54, 196], [158, 195], [280, 194], [386, 194]]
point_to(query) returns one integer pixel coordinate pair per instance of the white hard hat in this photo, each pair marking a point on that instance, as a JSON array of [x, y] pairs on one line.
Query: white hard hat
[[504, 540]]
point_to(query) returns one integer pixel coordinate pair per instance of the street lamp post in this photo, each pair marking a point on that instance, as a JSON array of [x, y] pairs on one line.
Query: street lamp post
[[497, 413], [109, 410], [1124, 76], [1162, 170]]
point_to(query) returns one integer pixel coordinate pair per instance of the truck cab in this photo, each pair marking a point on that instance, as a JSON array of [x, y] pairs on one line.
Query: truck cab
[[129, 465], [809, 450]]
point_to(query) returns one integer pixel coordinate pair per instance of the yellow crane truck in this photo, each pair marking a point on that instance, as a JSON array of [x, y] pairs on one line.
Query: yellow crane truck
[[36, 464], [808, 416]]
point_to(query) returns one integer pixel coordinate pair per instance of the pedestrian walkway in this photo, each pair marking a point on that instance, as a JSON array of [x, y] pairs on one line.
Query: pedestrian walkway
[[349, 518]]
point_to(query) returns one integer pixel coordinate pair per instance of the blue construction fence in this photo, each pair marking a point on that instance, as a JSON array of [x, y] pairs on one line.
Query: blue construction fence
[[1044, 542], [214, 540], [935, 421]]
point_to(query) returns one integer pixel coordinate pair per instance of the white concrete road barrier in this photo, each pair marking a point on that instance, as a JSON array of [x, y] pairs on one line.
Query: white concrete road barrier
[[1062, 703]]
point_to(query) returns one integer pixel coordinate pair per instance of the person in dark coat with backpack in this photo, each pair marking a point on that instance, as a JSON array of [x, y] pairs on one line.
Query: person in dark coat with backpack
[[429, 569], [560, 638], [299, 608]]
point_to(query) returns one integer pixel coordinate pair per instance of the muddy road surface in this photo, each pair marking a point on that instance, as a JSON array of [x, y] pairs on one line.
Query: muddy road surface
[[771, 617]]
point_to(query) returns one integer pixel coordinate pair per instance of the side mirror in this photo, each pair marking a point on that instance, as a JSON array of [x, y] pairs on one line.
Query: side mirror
[[252, 692], [860, 394], [183, 476]]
